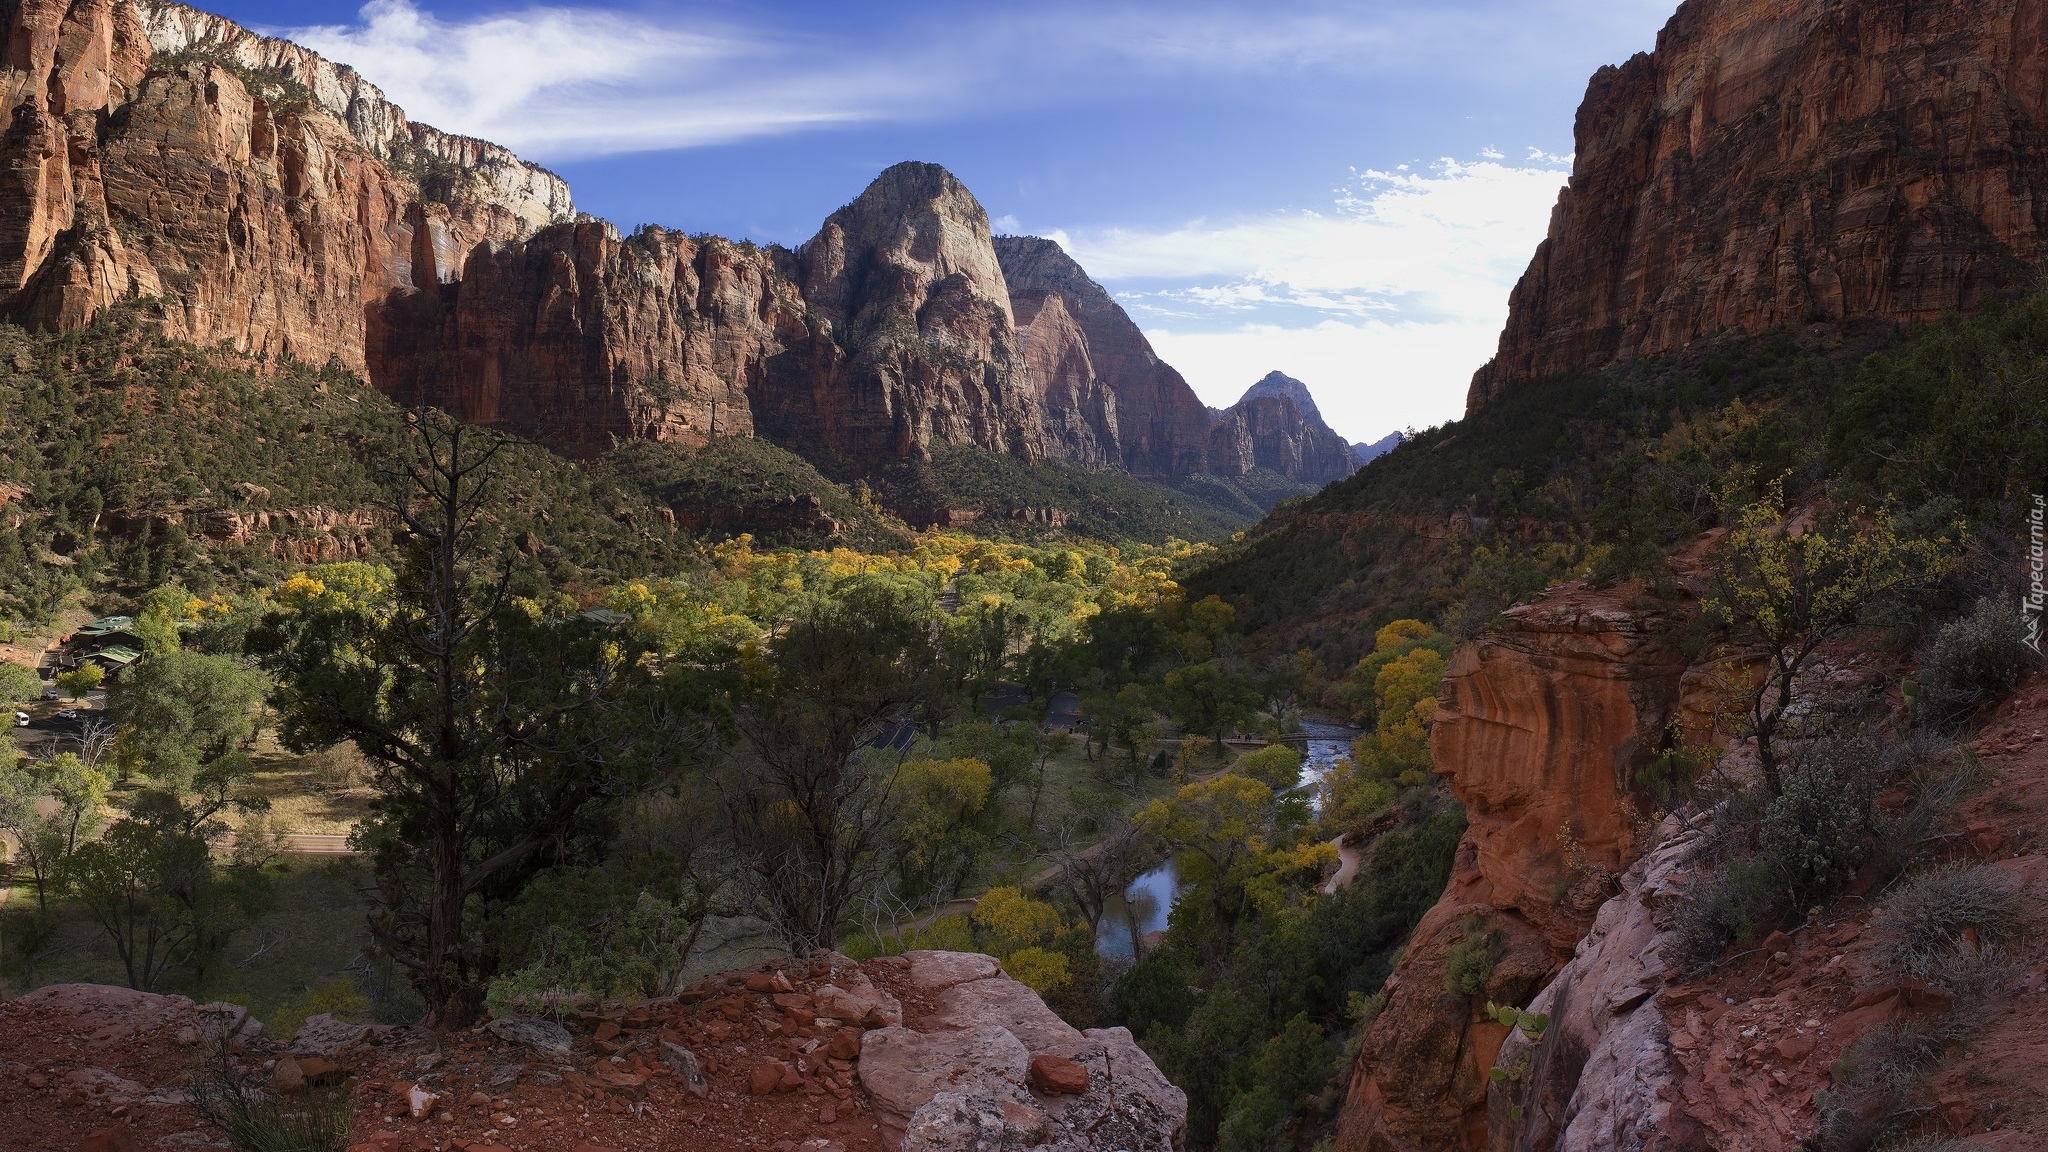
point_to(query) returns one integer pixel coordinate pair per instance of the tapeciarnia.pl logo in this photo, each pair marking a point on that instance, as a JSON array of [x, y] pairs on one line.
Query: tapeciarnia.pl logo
[[2036, 595]]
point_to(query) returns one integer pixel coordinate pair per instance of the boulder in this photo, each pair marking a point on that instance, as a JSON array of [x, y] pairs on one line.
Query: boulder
[[684, 1063], [903, 1070], [1058, 1076], [323, 1035], [544, 1035]]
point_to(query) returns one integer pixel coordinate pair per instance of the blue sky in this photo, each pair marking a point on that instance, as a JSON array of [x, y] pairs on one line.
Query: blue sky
[[1341, 191]]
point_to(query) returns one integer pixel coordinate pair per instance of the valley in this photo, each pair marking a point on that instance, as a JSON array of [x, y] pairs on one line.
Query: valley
[[559, 687]]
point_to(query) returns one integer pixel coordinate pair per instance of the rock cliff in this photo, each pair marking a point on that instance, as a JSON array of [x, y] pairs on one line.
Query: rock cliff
[[1126, 405], [1276, 426], [1774, 163], [1538, 728], [247, 191]]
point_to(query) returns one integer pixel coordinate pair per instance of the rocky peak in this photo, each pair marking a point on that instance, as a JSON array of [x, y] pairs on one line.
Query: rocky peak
[[916, 227], [1771, 164], [1279, 385], [1276, 426], [1150, 421]]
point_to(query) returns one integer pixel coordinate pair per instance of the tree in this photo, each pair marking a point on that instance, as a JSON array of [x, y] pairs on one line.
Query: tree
[[1787, 590], [152, 885], [499, 734], [1207, 699], [809, 794], [1237, 845], [1123, 719], [79, 682], [1099, 873], [19, 685], [180, 712], [939, 843]]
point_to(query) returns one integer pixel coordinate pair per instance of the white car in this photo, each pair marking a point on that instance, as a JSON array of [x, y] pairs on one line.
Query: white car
[[68, 713], [21, 719]]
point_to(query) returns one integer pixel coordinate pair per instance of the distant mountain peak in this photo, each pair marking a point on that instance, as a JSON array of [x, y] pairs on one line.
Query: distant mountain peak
[[1280, 384]]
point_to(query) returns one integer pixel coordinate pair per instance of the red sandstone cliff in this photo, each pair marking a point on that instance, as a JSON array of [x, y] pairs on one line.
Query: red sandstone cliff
[[1773, 163], [1538, 728]]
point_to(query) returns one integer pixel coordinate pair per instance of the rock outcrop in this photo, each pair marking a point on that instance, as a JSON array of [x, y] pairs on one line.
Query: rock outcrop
[[1771, 164], [992, 1067], [1538, 728], [934, 1052], [1276, 426]]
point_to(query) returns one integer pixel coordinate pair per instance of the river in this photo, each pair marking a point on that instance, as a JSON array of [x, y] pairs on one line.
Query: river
[[1149, 899]]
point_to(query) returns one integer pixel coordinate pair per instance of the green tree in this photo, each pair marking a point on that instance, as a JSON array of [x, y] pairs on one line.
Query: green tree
[[1122, 719], [498, 733], [180, 712], [1206, 698], [1786, 590], [809, 791], [940, 843], [18, 685]]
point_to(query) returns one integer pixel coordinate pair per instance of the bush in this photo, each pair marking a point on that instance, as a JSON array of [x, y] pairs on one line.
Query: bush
[[1974, 660], [257, 1120], [337, 998], [1469, 963], [1812, 834], [1946, 927]]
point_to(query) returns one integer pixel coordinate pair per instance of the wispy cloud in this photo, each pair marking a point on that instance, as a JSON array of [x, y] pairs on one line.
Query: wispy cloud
[[1385, 302], [564, 82]]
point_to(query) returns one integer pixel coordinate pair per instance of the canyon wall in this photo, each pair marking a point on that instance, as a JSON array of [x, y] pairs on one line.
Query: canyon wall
[[1538, 728], [1775, 163], [245, 191]]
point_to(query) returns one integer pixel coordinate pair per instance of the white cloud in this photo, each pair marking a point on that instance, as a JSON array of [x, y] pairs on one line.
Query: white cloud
[[566, 82], [1385, 303]]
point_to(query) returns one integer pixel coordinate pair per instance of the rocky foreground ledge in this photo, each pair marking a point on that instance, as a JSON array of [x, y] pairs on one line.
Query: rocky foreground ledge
[[921, 1053]]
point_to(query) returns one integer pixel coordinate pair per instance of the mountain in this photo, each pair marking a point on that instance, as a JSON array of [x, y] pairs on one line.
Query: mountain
[[1275, 426], [1100, 376], [245, 192], [1772, 164], [1363, 453]]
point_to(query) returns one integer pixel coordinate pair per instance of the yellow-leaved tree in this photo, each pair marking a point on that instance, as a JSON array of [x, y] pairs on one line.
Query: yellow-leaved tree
[[1785, 587]]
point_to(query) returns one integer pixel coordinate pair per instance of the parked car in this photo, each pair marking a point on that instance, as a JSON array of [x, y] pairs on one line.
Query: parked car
[[68, 713], [52, 694], [21, 719]]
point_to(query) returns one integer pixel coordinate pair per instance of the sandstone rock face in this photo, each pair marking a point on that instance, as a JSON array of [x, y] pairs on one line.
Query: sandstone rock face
[[1538, 727], [1097, 370], [1276, 426], [583, 338], [1600, 1076], [527, 192], [1774, 163], [963, 1077], [904, 281]]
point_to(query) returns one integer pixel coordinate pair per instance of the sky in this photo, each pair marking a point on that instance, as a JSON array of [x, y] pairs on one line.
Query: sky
[[1345, 192]]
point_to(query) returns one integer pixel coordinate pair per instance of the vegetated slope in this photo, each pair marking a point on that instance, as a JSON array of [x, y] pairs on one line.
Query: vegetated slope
[[1598, 473], [734, 485], [129, 459], [996, 494]]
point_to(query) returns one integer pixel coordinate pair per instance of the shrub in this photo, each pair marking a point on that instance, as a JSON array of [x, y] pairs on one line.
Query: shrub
[[1723, 904], [337, 998], [1946, 927], [1276, 766], [256, 1120], [1975, 658], [1469, 963], [1812, 834], [1038, 969]]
